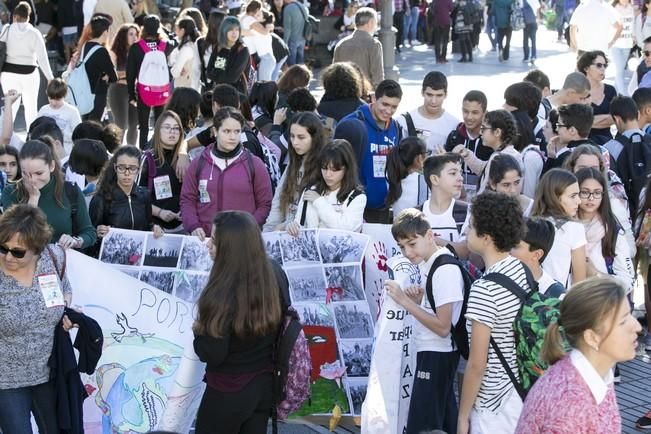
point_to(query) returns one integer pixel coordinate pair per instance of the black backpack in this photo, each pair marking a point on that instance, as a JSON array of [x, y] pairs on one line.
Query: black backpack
[[459, 213], [634, 165], [458, 332], [411, 128]]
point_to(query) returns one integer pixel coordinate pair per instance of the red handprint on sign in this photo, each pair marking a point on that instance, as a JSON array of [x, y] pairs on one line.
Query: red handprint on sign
[[380, 256]]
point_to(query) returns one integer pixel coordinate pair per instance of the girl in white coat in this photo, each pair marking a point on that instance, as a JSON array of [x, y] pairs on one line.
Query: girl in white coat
[[184, 61], [607, 251], [337, 200]]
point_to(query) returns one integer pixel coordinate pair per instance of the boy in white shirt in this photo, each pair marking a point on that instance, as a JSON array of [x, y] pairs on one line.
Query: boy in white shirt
[[433, 405], [430, 121], [446, 215], [532, 251], [66, 115]]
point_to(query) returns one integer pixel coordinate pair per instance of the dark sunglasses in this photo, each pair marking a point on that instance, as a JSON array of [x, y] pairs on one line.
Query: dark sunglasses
[[16, 253], [601, 65]]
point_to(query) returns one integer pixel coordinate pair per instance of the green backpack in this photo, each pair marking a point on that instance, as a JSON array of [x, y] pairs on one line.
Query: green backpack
[[530, 324]]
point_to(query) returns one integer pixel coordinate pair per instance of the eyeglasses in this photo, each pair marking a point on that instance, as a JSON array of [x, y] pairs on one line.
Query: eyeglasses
[[484, 128], [584, 194], [170, 128], [646, 53], [601, 65], [560, 125], [123, 169], [428, 153], [16, 253]]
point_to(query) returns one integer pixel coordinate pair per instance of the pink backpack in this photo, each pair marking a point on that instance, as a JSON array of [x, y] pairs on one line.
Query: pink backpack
[[154, 87], [292, 367]]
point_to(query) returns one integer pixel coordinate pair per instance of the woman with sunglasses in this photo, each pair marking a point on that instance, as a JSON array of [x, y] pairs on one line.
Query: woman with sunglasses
[[43, 186], [119, 201], [30, 315], [593, 65]]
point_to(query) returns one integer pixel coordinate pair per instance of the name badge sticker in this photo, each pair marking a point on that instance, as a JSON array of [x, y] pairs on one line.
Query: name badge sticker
[[162, 187], [49, 286], [379, 165], [204, 197]]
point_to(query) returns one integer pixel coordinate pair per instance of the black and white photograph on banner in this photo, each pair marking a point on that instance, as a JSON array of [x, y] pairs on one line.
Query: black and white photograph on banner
[[356, 355], [195, 255], [188, 286], [357, 390], [272, 246], [314, 314], [163, 280], [133, 272], [353, 320], [299, 250], [163, 251], [344, 283], [306, 283], [123, 247], [340, 247]]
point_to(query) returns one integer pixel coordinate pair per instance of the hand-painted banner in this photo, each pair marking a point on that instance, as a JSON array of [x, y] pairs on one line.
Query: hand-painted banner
[[326, 289], [386, 406], [148, 376], [382, 247]]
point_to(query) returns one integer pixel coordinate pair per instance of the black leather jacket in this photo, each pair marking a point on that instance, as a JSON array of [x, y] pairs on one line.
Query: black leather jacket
[[123, 212]]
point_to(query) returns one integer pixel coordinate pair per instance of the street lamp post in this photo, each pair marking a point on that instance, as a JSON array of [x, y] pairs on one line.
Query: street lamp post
[[388, 40]]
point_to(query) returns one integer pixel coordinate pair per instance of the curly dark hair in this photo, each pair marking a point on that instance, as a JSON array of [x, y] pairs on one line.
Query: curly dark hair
[[587, 58], [341, 81], [503, 120], [500, 217]]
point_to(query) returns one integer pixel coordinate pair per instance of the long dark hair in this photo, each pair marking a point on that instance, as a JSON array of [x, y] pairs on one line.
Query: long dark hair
[[242, 295], [120, 45], [263, 94], [399, 160], [39, 150], [339, 155], [309, 161], [109, 178], [10, 150], [185, 102], [190, 31], [552, 185], [605, 211]]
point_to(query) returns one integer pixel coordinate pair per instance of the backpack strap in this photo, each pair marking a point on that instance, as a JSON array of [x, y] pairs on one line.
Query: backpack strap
[[88, 54], [144, 46], [148, 158], [353, 194], [459, 213], [411, 128], [61, 271]]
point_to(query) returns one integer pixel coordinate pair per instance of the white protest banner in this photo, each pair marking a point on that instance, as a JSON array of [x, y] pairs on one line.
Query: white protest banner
[[326, 289], [146, 374], [390, 380], [382, 247]]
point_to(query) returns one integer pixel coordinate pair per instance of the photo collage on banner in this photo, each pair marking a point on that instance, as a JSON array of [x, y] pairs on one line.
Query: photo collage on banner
[[176, 264], [324, 269]]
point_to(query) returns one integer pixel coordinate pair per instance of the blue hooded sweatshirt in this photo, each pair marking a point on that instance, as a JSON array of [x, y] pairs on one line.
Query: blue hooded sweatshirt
[[374, 157]]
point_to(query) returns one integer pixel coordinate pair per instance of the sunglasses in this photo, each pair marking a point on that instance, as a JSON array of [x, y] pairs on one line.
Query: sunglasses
[[16, 253], [600, 65]]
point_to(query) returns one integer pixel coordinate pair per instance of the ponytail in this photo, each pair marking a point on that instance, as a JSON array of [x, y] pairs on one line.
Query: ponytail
[[399, 160], [552, 348]]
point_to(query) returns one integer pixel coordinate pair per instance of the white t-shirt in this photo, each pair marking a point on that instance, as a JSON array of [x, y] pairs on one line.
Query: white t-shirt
[[594, 20], [414, 193], [250, 41], [447, 287], [496, 307], [626, 18], [67, 118], [444, 225], [570, 236], [433, 131], [545, 282]]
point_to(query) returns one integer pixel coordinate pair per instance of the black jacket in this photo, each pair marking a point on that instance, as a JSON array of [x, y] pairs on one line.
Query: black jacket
[[338, 108], [230, 66], [132, 212], [162, 169], [98, 65], [64, 370]]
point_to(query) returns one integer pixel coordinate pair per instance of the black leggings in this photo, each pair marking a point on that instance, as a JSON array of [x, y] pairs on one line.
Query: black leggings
[[143, 121], [125, 115], [502, 34], [465, 45], [243, 412]]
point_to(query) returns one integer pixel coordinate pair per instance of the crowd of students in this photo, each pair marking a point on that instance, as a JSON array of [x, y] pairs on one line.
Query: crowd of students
[[538, 191]]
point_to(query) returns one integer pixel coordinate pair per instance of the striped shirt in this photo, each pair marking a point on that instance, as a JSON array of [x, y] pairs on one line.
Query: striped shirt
[[496, 307]]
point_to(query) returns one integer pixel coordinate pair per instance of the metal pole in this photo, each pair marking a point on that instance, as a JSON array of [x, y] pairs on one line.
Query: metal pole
[[388, 40]]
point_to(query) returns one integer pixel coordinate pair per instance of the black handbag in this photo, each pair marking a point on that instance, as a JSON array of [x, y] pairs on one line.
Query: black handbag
[[3, 47]]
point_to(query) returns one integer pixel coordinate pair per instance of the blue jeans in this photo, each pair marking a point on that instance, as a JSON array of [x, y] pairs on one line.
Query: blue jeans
[[620, 57], [411, 24], [491, 30], [266, 67], [296, 52], [17, 404], [529, 34], [278, 68]]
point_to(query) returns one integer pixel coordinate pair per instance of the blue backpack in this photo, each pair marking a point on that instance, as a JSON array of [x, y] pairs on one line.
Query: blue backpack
[[80, 94]]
